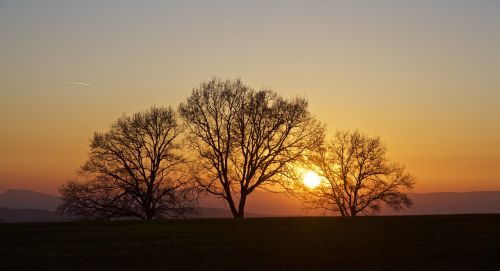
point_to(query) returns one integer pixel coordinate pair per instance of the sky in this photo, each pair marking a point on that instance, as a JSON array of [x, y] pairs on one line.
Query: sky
[[423, 75]]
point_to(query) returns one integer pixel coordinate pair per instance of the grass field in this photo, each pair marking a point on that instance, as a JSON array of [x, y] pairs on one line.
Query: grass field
[[460, 242]]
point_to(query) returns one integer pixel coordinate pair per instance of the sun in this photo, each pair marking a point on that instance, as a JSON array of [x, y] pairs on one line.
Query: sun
[[311, 179]]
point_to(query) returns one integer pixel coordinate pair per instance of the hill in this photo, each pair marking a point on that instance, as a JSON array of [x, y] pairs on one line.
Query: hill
[[29, 215], [29, 206], [27, 199], [23, 203], [207, 212], [452, 203], [456, 242]]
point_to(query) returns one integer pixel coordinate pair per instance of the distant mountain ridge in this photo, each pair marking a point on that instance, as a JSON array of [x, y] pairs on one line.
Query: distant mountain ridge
[[27, 199], [209, 212], [17, 206], [29, 215], [28, 206], [451, 203]]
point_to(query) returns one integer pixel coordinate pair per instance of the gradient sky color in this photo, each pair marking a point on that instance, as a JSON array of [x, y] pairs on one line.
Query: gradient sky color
[[424, 76]]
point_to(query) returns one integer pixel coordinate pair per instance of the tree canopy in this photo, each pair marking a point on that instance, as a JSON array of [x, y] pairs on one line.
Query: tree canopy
[[243, 139], [357, 176], [134, 170]]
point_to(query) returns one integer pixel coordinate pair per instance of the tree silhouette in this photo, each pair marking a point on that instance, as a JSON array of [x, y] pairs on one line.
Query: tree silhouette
[[133, 170], [357, 177], [245, 139]]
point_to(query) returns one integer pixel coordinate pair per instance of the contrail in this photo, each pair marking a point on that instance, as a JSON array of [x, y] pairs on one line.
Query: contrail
[[78, 83]]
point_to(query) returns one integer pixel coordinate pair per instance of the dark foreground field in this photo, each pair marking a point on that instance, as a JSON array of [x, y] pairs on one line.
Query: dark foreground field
[[465, 242]]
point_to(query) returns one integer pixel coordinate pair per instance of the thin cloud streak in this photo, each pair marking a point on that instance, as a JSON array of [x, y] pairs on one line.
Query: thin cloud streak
[[78, 83]]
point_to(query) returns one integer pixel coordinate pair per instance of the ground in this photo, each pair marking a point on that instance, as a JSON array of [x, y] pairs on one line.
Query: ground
[[458, 242]]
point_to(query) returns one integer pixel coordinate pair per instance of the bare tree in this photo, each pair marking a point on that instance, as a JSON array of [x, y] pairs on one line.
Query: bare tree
[[133, 170], [245, 139], [357, 177]]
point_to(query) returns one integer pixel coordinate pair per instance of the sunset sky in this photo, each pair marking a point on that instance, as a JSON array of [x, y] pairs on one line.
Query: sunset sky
[[424, 76]]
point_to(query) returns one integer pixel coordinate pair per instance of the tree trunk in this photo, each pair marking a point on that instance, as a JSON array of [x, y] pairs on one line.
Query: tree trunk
[[233, 209], [238, 215], [354, 212], [241, 206], [150, 214]]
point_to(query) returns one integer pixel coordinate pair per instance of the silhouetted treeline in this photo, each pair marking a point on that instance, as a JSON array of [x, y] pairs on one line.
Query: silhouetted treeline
[[228, 140]]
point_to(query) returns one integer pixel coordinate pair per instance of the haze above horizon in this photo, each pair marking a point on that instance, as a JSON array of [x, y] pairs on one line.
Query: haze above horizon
[[424, 76]]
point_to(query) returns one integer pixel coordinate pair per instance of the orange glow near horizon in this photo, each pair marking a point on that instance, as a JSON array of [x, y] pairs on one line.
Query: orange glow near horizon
[[422, 76]]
